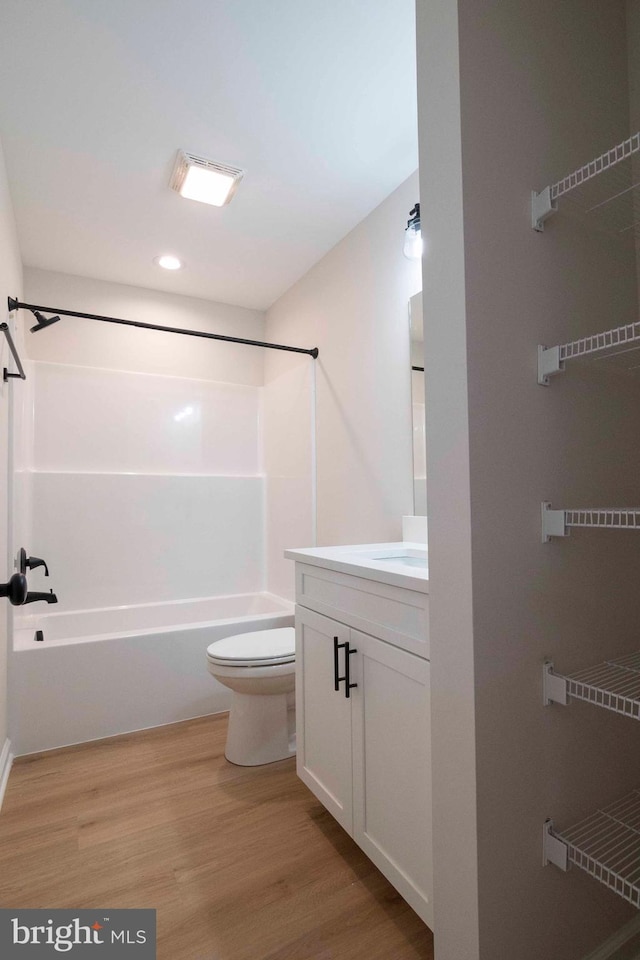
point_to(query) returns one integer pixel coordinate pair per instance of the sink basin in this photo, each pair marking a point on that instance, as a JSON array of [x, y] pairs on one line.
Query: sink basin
[[404, 556], [406, 561], [409, 557]]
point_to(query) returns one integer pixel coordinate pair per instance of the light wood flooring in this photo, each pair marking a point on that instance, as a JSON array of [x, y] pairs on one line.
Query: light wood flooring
[[241, 863]]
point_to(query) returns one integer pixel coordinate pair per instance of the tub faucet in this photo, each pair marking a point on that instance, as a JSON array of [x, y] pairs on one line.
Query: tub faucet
[[48, 597]]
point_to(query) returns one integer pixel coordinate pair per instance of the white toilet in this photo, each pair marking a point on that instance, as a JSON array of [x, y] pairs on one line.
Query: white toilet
[[260, 669]]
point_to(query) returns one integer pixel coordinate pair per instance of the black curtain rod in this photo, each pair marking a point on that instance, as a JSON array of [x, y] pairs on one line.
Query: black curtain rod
[[17, 305]]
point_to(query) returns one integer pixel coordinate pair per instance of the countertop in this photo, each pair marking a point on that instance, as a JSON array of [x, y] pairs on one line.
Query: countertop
[[359, 561]]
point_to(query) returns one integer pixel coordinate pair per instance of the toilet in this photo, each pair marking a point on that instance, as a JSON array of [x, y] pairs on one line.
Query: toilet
[[259, 668]]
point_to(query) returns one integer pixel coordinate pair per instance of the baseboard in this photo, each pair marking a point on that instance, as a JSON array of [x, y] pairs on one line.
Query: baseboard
[[609, 949], [6, 759]]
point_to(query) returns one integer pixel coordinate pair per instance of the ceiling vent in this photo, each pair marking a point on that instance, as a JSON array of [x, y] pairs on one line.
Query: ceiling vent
[[208, 181]]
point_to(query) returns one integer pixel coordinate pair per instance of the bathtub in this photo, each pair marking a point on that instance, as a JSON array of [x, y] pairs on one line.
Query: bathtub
[[102, 672]]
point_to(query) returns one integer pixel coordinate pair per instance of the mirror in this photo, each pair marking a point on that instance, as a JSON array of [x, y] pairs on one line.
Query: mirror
[[418, 406]]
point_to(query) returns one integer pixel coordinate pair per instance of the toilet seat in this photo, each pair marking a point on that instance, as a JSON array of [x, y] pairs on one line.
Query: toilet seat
[[260, 648]]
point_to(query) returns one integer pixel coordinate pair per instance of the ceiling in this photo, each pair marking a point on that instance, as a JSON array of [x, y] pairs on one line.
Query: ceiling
[[316, 101]]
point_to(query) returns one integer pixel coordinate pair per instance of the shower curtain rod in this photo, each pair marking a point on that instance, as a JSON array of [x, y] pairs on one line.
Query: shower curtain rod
[[18, 305]]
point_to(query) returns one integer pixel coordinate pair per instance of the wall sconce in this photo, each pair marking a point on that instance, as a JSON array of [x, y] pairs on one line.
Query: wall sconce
[[413, 235]]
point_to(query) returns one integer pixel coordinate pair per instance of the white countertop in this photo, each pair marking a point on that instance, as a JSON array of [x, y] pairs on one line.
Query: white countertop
[[373, 561]]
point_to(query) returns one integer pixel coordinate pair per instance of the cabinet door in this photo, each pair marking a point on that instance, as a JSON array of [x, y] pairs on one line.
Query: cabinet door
[[323, 715], [392, 766]]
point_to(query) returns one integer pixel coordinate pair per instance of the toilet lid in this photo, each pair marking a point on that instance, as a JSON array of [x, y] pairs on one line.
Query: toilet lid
[[261, 648]]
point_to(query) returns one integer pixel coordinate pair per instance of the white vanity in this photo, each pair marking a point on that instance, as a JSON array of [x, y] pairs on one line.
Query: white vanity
[[362, 702]]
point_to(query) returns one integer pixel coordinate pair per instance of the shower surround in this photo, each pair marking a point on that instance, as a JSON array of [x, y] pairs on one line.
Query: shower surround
[[144, 488], [147, 495]]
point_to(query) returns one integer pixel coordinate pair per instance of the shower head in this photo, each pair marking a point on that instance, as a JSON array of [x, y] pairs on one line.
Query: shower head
[[42, 321]]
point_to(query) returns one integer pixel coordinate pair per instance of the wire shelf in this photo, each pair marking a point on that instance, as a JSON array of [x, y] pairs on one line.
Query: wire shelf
[[612, 519], [607, 846], [610, 339], [619, 340], [613, 685], [557, 523], [595, 167], [602, 191]]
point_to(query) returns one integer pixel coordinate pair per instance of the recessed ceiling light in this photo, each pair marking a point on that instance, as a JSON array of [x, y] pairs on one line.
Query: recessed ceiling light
[[169, 262], [208, 181]]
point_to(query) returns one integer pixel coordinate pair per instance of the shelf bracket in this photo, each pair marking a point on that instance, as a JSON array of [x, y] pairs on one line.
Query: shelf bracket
[[553, 850], [553, 522], [541, 208], [554, 688], [549, 362]]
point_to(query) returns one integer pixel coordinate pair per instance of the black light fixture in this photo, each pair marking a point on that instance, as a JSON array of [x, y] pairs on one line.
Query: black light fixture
[[413, 235], [42, 321]]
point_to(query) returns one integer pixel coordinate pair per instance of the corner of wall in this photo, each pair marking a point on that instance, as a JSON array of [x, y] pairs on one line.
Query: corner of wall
[[10, 285], [6, 761]]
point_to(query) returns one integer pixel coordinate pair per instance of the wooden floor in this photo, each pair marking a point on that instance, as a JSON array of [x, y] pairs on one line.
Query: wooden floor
[[240, 863]]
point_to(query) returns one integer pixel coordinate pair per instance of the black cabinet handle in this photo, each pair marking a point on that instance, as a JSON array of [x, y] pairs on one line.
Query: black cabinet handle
[[337, 679], [347, 675], [336, 669]]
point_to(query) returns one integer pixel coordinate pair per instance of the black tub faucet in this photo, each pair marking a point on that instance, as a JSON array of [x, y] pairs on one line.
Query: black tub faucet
[[48, 597], [16, 591]]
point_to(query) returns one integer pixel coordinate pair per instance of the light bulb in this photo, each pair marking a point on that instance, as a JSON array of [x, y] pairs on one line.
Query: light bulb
[[207, 186], [168, 262], [413, 245]]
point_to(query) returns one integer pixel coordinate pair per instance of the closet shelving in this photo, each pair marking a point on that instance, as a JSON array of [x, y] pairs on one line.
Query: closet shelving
[[602, 190], [606, 845], [609, 343], [602, 194], [613, 685], [558, 523]]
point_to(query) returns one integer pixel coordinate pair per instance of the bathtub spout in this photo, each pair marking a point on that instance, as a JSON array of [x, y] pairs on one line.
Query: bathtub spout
[[48, 597]]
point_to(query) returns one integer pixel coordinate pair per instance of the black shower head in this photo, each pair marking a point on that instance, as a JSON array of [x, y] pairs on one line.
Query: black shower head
[[42, 321]]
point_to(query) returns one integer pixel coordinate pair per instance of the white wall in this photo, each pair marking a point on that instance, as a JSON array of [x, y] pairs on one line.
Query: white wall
[[453, 744], [10, 285], [290, 458], [541, 90], [143, 487], [94, 344], [353, 305]]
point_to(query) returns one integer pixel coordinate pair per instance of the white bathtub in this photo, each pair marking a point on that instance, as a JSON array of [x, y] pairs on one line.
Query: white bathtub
[[102, 672]]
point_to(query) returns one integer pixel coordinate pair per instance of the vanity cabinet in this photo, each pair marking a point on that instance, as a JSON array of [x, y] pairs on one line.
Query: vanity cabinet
[[364, 749]]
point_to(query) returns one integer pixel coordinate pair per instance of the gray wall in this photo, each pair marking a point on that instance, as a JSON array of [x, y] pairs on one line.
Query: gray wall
[[543, 89]]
